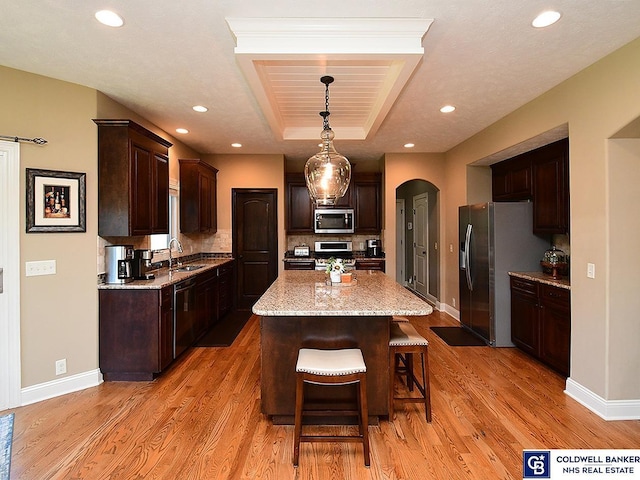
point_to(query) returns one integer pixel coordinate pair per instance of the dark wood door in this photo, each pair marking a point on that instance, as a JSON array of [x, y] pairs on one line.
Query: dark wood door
[[255, 242]]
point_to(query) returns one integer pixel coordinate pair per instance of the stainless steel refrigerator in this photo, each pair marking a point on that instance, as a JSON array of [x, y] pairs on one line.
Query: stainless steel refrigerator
[[495, 238]]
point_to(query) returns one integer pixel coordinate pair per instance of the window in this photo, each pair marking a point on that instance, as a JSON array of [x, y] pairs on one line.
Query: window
[[161, 242]]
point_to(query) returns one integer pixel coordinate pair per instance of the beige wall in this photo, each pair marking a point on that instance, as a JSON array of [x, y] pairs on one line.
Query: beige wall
[[596, 103], [58, 312]]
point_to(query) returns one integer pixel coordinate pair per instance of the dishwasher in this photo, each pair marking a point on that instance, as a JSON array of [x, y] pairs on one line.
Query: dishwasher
[[184, 316]]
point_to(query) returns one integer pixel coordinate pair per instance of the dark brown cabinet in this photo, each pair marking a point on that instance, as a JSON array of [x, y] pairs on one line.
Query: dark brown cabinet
[[367, 202], [364, 196], [300, 264], [541, 175], [299, 207], [370, 264], [541, 322], [511, 179], [136, 333], [550, 169], [198, 197], [206, 292], [226, 288], [133, 180]]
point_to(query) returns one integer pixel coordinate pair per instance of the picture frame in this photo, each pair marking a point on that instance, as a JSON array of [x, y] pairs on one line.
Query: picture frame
[[56, 201]]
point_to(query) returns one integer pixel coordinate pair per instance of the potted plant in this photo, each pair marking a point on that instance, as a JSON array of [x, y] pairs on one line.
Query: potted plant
[[335, 268]]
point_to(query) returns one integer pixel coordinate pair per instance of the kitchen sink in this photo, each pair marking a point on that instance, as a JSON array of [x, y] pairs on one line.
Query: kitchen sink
[[188, 268]]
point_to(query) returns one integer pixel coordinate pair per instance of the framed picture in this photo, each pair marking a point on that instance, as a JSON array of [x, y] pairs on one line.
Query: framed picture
[[56, 201]]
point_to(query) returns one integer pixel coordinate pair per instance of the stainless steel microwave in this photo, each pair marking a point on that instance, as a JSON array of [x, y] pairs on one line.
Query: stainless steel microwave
[[333, 220]]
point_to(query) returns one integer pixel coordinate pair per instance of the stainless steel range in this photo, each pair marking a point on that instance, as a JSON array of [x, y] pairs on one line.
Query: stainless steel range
[[337, 249]]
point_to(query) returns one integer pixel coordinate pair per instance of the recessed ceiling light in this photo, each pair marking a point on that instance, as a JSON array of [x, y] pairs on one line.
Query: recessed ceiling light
[[182, 130], [236, 145], [546, 18], [109, 18], [409, 145], [447, 109], [200, 108]]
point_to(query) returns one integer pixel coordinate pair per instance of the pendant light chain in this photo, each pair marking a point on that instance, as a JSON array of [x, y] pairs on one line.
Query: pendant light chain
[[325, 117]]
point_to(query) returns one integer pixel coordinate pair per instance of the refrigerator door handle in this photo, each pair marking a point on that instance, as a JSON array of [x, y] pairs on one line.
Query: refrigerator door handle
[[467, 256]]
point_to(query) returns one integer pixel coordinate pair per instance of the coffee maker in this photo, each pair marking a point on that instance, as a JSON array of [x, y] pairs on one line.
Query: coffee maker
[[118, 264], [374, 248], [142, 264]]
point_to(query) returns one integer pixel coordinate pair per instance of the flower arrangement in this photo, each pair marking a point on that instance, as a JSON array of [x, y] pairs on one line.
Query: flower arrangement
[[335, 265]]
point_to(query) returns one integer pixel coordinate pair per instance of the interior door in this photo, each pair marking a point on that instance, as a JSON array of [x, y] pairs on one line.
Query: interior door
[[420, 244], [401, 266], [255, 242], [10, 382]]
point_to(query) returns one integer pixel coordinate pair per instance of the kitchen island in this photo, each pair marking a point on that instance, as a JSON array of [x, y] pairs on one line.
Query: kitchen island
[[300, 310]]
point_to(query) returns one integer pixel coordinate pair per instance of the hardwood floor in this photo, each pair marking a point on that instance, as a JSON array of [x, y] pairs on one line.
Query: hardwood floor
[[202, 420]]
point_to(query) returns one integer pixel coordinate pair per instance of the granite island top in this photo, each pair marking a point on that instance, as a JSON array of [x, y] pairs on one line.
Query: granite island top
[[305, 293], [164, 277], [540, 277]]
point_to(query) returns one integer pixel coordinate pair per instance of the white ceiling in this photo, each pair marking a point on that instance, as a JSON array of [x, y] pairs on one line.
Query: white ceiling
[[480, 55]]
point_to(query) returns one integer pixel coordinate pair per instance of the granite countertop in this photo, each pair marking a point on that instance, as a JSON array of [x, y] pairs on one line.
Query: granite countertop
[[540, 277], [164, 278], [305, 293]]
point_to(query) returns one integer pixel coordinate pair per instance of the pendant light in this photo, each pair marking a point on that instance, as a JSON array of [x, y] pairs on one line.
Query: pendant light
[[327, 173]]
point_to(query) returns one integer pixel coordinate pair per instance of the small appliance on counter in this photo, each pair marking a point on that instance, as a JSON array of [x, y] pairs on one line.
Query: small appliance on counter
[[301, 251], [142, 264], [374, 248], [118, 264]]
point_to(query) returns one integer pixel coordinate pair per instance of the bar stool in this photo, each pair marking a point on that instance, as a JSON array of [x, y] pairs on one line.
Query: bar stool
[[403, 343], [331, 367]]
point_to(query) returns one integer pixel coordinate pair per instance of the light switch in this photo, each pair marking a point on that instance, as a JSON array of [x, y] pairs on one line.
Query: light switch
[[43, 267], [591, 270]]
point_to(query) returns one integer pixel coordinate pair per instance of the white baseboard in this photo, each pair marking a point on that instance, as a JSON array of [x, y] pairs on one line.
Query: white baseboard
[[452, 311], [607, 409], [62, 386]]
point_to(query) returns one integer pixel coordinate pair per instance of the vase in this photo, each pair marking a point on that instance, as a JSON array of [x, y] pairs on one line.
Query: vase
[[335, 277]]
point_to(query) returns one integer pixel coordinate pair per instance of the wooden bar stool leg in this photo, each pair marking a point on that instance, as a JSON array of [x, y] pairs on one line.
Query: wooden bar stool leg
[[425, 383], [297, 429], [393, 365], [364, 418]]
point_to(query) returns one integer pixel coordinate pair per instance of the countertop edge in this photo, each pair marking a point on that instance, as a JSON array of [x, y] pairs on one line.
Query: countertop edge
[[543, 278]]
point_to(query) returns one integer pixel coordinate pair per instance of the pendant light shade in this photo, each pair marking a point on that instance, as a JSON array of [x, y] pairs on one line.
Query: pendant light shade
[[327, 173]]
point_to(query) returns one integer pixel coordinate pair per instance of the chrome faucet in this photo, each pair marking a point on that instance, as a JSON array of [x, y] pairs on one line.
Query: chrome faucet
[[178, 246]]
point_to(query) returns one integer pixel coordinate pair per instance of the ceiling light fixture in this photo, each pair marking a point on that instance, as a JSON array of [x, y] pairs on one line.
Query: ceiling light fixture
[[447, 109], [236, 145], [182, 130], [409, 145], [546, 18], [200, 108], [327, 173], [109, 18]]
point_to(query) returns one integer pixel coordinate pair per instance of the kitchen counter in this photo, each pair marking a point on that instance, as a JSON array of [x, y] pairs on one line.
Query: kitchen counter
[[164, 277], [540, 277], [296, 293], [300, 310]]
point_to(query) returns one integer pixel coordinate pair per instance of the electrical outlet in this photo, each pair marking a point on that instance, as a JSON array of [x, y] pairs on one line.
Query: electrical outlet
[[451, 247], [61, 366], [591, 270], [43, 267], [454, 302]]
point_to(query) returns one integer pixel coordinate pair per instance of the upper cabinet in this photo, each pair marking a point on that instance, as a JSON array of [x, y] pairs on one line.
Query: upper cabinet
[[198, 197], [364, 195], [133, 180], [542, 176], [551, 188]]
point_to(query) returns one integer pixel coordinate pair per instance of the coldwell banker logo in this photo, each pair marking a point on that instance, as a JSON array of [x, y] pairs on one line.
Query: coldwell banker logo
[[536, 464]]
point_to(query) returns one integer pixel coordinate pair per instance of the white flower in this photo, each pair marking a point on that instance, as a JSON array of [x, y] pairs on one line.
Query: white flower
[[335, 265]]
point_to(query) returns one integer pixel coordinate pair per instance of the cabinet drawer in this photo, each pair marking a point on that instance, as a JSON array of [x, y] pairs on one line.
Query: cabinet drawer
[[556, 297], [524, 287], [300, 265]]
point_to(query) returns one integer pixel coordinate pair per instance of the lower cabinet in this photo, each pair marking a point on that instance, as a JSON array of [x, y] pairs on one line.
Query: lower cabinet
[[300, 265], [370, 264], [226, 288], [541, 322], [136, 333]]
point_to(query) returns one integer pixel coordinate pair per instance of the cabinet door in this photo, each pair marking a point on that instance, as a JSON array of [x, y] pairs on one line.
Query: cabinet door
[[551, 189], [370, 264], [555, 328], [226, 288], [166, 327], [525, 325], [367, 203], [205, 203], [511, 179], [299, 214], [142, 177], [160, 195]]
